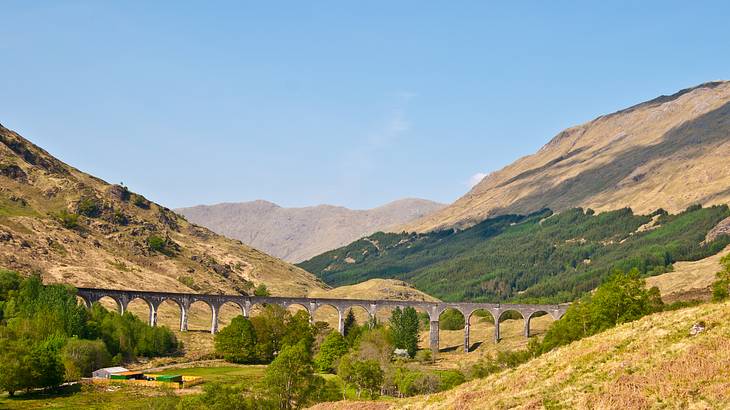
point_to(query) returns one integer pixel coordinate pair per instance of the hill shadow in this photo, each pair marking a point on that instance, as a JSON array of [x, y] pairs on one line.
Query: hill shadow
[[692, 139]]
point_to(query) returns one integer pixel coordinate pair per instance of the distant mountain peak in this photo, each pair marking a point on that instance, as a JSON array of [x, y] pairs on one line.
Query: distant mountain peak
[[296, 234]]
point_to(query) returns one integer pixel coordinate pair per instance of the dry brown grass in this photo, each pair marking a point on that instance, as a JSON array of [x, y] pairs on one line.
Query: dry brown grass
[[689, 280], [648, 364], [669, 154]]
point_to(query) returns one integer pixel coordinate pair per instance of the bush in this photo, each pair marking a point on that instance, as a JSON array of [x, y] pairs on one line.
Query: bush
[[140, 202], [161, 245], [89, 207], [721, 288], [187, 281], [68, 220], [261, 290], [363, 375], [622, 298], [119, 218]]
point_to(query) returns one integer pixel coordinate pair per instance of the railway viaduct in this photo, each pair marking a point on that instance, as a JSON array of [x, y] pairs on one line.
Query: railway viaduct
[[246, 304]]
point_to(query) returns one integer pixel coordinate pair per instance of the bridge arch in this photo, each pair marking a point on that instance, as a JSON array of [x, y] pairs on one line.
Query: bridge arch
[[479, 328], [330, 313]]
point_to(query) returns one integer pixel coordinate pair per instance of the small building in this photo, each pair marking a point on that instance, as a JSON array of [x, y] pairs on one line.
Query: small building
[[106, 372]]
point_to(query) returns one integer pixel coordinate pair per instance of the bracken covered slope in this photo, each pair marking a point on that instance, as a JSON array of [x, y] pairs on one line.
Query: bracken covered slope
[[670, 152], [297, 234], [648, 364], [77, 229]]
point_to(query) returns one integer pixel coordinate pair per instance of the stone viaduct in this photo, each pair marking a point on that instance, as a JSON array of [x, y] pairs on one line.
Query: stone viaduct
[[246, 303]]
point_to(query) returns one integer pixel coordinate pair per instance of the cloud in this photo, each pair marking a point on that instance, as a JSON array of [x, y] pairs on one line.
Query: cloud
[[475, 179]]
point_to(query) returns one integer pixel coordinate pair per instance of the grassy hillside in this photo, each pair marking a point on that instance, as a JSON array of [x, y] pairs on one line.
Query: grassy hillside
[[542, 257], [668, 153], [78, 229], [651, 363]]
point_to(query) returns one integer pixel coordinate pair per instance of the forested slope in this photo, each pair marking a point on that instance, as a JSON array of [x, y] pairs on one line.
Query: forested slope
[[543, 256]]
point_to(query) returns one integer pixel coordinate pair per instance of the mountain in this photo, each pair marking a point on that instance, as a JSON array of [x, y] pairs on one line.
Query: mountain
[[654, 362], [296, 234], [78, 229], [542, 257], [670, 152]]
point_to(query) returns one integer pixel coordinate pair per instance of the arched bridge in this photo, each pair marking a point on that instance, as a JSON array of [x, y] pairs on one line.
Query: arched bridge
[[246, 303]]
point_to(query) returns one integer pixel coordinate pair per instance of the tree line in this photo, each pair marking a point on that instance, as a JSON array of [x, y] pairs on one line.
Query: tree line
[[538, 258], [47, 337]]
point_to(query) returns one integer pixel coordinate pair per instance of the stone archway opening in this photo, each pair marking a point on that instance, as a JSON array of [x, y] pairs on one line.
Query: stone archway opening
[[140, 308], [110, 304], [200, 317], [538, 323], [328, 314], [451, 330], [227, 312], [169, 313], [512, 329], [481, 329]]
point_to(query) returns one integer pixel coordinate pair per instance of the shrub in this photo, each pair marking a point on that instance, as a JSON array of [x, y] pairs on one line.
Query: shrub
[[261, 290], [89, 207], [119, 218], [187, 281], [721, 287], [141, 202], [161, 245], [363, 375], [67, 219]]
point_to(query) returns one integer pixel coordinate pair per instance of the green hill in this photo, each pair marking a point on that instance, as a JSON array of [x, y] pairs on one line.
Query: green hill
[[541, 257]]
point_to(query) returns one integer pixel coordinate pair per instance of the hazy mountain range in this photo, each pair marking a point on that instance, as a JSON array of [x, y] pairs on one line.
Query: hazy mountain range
[[296, 234]]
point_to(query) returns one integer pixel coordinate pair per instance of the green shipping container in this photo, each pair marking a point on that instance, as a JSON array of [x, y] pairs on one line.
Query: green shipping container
[[170, 378]]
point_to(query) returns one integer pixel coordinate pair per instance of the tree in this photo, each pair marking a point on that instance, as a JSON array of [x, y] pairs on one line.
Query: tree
[[364, 375], [721, 287], [622, 298], [332, 349], [404, 325], [81, 357], [375, 344], [237, 341], [290, 378], [350, 322], [14, 363]]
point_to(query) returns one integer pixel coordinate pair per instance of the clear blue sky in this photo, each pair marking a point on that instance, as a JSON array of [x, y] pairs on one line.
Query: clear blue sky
[[342, 102]]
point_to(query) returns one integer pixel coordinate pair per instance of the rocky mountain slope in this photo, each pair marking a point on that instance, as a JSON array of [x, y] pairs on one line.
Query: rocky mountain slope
[[670, 152], [652, 363], [77, 229], [296, 234]]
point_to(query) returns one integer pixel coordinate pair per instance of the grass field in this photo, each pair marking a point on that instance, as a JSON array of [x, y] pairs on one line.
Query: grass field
[[90, 396]]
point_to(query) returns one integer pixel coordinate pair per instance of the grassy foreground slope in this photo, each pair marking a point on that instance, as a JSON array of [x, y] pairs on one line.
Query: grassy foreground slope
[[650, 363], [541, 257]]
